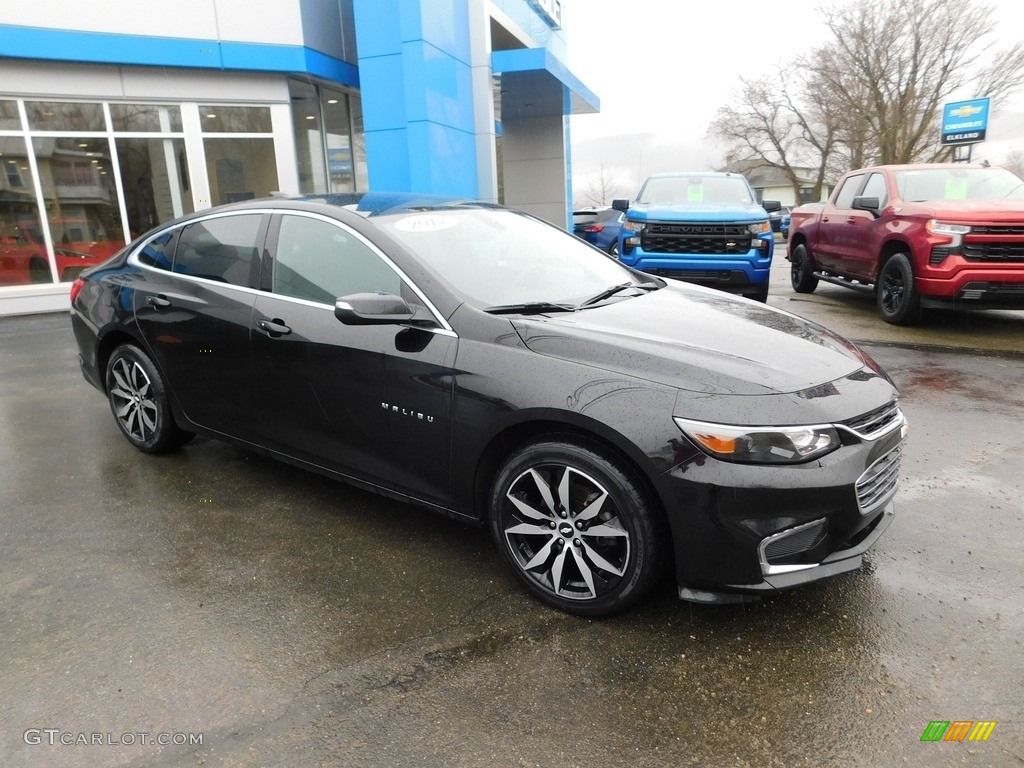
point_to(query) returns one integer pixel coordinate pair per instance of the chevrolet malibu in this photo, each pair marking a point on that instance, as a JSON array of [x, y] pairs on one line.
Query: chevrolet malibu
[[607, 426]]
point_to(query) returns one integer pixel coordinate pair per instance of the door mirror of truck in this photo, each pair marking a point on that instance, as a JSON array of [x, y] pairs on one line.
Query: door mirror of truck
[[869, 204], [771, 205], [620, 205]]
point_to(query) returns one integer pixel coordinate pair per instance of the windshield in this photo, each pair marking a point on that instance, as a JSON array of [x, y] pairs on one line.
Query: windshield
[[667, 190], [497, 257], [917, 186]]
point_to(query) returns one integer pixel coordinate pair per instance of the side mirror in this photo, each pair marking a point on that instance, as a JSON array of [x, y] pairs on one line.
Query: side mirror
[[620, 205], [373, 309], [771, 205], [869, 204]]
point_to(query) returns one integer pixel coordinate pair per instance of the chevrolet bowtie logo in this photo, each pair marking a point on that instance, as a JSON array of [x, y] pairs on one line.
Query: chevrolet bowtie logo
[[967, 110]]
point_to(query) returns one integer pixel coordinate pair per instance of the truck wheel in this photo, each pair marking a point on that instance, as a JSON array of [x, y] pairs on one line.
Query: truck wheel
[[801, 273], [761, 294], [898, 301]]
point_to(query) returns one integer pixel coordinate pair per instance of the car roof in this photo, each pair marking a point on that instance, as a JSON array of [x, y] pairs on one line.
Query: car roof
[[925, 167], [364, 203]]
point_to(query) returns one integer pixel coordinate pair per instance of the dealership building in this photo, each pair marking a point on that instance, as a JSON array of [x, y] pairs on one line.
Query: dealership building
[[117, 116]]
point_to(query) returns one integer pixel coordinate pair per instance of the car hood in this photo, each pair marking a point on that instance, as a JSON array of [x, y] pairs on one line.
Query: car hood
[[699, 340], [697, 212], [968, 211]]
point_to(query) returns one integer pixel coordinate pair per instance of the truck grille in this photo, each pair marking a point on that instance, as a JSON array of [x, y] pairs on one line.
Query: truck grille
[[709, 239], [998, 229], [997, 252]]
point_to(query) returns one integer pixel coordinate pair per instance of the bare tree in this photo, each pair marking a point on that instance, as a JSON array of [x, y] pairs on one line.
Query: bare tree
[[874, 92], [602, 187], [1015, 162]]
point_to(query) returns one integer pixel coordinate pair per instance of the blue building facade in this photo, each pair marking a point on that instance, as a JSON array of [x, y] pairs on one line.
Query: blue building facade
[[115, 117]]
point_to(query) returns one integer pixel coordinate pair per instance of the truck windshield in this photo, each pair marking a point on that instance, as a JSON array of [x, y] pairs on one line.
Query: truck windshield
[[668, 190], [917, 186]]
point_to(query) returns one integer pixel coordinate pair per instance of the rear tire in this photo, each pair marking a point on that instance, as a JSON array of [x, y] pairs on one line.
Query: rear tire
[[138, 400], [898, 301], [801, 271]]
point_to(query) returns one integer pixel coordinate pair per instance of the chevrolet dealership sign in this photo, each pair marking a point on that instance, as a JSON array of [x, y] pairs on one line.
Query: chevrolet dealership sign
[[965, 122], [551, 10]]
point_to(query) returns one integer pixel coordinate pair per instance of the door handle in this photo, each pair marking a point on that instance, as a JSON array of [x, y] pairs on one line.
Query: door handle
[[273, 327], [159, 302], [824, 218]]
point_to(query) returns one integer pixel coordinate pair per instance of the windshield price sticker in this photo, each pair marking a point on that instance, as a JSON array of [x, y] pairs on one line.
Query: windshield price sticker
[[425, 223]]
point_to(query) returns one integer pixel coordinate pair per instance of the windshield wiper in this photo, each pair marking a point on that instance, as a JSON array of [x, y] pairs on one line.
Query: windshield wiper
[[530, 307], [609, 292]]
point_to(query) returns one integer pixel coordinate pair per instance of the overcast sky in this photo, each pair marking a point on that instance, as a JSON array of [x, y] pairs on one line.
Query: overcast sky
[[666, 66]]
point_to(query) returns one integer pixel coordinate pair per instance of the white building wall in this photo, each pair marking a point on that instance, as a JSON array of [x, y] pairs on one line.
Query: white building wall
[[239, 20]]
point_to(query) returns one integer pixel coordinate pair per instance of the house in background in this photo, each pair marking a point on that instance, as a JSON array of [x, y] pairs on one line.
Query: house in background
[[772, 184]]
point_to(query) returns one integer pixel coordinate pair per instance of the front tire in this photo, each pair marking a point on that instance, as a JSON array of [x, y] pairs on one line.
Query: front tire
[[576, 528], [898, 301], [801, 271], [761, 294], [138, 400]]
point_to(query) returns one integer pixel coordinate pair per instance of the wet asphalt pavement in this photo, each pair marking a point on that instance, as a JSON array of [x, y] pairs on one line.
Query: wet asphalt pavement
[[285, 619]]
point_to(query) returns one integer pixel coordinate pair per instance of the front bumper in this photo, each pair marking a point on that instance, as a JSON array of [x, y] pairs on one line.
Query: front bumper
[[749, 530], [733, 274]]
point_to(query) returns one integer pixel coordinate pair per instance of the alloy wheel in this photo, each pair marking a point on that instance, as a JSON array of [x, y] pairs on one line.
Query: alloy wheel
[[565, 533], [132, 397], [892, 288]]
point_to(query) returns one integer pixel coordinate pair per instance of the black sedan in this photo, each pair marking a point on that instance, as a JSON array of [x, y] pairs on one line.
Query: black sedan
[[606, 425]]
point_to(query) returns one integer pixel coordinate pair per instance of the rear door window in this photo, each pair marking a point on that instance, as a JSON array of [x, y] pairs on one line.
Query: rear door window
[[222, 249]]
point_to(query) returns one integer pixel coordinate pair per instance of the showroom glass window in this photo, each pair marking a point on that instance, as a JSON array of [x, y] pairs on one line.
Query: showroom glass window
[[152, 162], [81, 179], [240, 159], [77, 182], [23, 256], [328, 139]]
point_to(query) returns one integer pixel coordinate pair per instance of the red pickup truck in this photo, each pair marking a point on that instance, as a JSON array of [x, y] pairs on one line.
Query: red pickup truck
[[916, 236]]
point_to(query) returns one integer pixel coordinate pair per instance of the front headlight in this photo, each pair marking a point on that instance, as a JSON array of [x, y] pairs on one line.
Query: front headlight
[[760, 228], [636, 226], [945, 228], [761, 445]]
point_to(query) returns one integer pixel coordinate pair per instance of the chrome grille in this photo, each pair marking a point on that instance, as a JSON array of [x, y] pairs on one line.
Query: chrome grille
[[878, 483], [877, 422]]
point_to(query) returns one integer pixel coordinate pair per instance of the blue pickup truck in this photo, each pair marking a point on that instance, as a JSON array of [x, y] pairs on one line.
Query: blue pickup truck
[[706, 228]]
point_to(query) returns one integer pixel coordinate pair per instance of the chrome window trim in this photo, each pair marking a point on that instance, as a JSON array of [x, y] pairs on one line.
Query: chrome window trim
[[383, 256], [444, 330]]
